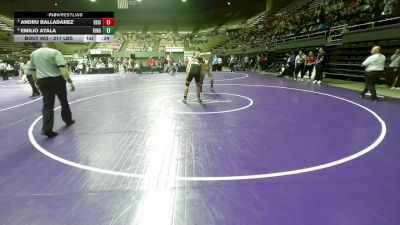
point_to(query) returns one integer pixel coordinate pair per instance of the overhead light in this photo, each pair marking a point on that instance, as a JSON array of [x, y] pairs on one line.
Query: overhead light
[[93, 0], [139, 0], [183, 0], [229, 3], [56, 4]]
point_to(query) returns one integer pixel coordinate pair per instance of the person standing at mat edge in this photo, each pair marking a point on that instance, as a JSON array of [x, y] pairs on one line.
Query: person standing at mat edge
[[374, 67], [319, 65], [50, 74], [3, 71], [26, 71], [392, 72], [207, 69]]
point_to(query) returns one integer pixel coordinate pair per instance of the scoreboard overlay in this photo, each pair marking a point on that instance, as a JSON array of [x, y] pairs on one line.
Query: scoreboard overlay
[[64, 27]]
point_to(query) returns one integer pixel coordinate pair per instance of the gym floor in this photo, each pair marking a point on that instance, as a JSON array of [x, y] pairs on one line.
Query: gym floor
[[259, 150]]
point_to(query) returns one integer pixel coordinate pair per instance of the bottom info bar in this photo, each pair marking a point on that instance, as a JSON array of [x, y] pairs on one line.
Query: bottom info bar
[[63, 38]]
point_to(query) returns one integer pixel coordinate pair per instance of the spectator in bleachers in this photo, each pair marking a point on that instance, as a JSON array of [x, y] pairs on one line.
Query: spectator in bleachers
[[322, 26], [393, 69], [308, 20], [374, 67], [389, 4]]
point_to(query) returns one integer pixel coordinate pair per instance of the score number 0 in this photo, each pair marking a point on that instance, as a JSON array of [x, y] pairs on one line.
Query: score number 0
[[108, 21]]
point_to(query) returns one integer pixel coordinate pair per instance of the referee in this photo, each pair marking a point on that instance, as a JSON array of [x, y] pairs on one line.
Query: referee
[[50, 74], [374, 67]]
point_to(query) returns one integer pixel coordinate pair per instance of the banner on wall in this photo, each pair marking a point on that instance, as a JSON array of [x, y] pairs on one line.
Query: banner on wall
[[190, 53], [95, 51], [174, 49]]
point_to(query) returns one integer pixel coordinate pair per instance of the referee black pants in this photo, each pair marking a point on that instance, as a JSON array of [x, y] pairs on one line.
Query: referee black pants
[[370, 78], [50, 87]]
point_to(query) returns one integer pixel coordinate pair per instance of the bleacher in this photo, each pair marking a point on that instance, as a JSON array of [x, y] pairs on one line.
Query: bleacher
[[140, 43], [268, 27], [116, 45], [171, 40], [5, 27], [345, 60], [302, 18], [6, 24], [144, 42], [8, 46], [359, 26]]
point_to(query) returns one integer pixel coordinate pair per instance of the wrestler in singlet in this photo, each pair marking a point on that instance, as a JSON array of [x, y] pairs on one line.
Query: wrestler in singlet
[[207, 70], [195, 70]]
